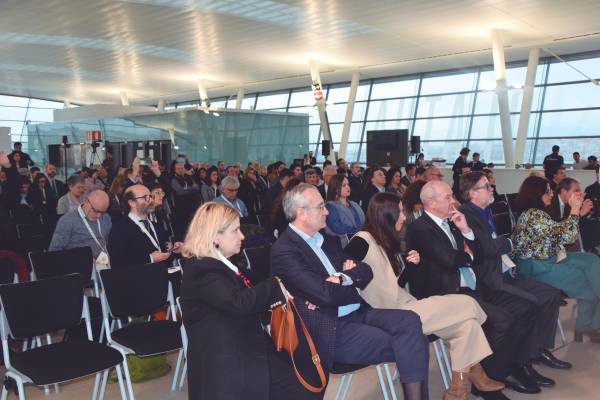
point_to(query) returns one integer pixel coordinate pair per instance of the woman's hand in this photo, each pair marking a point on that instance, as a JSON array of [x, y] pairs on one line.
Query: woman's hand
[[413, 257], [287, 294], [575, 202], [348, 265]]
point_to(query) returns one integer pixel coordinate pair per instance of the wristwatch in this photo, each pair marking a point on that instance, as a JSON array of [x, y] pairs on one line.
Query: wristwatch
[[341, 277]]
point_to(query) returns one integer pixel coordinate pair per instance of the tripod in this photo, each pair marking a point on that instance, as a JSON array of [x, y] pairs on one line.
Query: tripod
[[95, 156]]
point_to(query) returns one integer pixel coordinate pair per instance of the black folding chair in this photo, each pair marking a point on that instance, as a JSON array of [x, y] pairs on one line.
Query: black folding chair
[[503, 223], [32, 238], [512, 206], [136, 292], [499, 207], [259, 262], [78, 260], [38, 308]]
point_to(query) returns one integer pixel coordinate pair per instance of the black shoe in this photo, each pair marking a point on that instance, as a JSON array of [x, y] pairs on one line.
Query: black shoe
[[548, 359], [497, 395], [519, 383], [536, 377]]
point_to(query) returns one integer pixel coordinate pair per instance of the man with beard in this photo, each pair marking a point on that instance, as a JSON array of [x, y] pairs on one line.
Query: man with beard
[[135, 240]]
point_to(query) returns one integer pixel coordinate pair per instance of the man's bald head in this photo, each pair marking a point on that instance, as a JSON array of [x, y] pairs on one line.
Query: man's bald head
[[95, 204], [432, 174], [138, 199]]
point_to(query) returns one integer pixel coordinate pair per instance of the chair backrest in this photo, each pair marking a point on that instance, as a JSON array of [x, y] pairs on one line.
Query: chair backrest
[[40, 307], [135, 291], [503, 224], [32, 237], [499, 207], [50, 264]]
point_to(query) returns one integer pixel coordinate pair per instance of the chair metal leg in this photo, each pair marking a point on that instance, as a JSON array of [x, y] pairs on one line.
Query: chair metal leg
[[96, 385], [340, 387], [121, 384], [128, 378], [390, 382], [183, 374], [21, 388], [103, 383], [446, 360], [382, 382], [176, 373], [438, 358], [563, 338], [347, 386], [4, 395]]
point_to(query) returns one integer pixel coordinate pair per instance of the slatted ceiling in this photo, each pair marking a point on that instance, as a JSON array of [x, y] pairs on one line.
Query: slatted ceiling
[[87, 51]]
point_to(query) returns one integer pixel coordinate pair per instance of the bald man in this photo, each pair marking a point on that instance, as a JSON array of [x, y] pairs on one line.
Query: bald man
[[433, 174], [87, 225]]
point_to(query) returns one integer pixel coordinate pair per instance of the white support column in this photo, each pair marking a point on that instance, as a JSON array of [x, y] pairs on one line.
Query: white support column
[[161, 105], [502, 92], [239, 98], [534, 58], [349, 112], [317, 89], [203, 95], [124, 98]]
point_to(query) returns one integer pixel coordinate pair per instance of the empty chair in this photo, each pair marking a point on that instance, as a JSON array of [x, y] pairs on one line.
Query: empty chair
[[136, 292], [32, 237], [346, 372], [499, 207], [503, 223], [259, 264], [39, 308]]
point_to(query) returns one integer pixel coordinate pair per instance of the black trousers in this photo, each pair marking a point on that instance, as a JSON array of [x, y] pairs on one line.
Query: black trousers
[[510, 323]]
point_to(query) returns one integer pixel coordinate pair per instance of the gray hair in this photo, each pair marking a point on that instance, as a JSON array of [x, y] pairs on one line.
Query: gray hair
[[294, 199], [75, 180], [230, 182]]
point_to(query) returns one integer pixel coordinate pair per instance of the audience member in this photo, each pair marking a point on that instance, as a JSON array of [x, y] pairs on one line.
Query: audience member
[[74, 198], [592, 163], [410, 176], [432, 174], [186, 199], [275, 189], [577, 163], [57, 187], [459, 165], [160, 215], [229, 189], [539, 249], [328, 172], [552, 162], [393, 181], [311, 177], [87, 225], [489, 174], [557, 175], [134, 239], [357, 183], [345, 217], [446, 244], [22, 160], [454, 318], [324, 284], [250, 192], [115, 196], [277, 217], [211, 191], [476, 165], [374, 183], [42, 199]]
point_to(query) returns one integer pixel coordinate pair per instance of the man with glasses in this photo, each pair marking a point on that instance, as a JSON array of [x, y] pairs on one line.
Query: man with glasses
[[135, 239], [502, 287], [88, 225]]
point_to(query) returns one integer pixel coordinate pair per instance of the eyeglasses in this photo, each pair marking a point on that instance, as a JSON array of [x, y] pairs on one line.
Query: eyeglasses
[[231, 190], [146, 197], [487, 186], [94, 209], [320, 207]]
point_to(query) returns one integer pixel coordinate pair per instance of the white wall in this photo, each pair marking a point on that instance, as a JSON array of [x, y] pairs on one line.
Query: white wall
[[5, 142]]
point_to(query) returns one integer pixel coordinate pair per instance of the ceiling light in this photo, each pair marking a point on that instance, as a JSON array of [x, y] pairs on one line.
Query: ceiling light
[[216, 114], [488, 86], [516, 86]]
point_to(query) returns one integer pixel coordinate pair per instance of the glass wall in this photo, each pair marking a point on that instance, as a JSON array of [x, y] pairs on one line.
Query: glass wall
[[453, 109]]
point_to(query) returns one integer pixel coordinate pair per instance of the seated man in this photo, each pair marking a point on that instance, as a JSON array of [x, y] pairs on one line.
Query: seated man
[[229, 189], [87, 225], [344, 329], [444, 240]]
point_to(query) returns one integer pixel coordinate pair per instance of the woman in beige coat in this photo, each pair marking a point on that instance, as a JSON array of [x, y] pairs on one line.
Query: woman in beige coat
[[455, 318]]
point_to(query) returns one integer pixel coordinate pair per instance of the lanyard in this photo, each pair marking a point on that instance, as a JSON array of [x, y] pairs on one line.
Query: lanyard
[[87, 225], [228, 263], [234, 205], [154, 238]]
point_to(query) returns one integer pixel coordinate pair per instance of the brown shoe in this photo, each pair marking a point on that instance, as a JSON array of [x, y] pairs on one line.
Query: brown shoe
[[481, 381], [593, 335], [459, 387]]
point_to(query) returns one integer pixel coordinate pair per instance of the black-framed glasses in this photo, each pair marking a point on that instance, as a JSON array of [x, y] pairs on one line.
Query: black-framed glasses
[[146, 197], [487, 186], [320, 207]]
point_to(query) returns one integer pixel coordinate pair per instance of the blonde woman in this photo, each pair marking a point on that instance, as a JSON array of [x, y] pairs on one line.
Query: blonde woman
[[230, 355]]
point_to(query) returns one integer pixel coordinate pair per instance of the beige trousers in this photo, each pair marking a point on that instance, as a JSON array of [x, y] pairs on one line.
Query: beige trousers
[[457, 319]]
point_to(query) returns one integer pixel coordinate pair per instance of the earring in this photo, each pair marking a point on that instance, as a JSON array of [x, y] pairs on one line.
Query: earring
[[216, 245]]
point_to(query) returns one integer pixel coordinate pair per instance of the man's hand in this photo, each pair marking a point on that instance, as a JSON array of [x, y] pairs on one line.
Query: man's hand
[[155, 168], [4, 161], [459, 220], [333, 279], [586, 207], [413, 257], [310, 305], [177, 247], [348, 265], [159, 256]]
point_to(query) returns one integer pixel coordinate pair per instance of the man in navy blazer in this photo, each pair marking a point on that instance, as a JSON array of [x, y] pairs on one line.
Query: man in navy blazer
[[325, 284]]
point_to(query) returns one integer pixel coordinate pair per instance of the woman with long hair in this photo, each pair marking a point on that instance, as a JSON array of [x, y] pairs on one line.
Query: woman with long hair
[[345, 216], [374, 183], [230, 356], [393, 182], [211, 191], [539, 246], [455, 318]]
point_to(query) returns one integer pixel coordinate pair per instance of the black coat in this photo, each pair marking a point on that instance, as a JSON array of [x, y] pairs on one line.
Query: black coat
[[369, 192], [438, 272], [128, 245], [227, 350], [270, 197], [304, 276], [356, 187]]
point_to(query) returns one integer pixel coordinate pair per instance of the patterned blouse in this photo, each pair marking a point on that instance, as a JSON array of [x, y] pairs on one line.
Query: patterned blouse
[[538, 236]]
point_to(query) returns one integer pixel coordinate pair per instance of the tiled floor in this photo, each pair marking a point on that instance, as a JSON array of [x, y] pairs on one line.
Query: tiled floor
[[578, 383]]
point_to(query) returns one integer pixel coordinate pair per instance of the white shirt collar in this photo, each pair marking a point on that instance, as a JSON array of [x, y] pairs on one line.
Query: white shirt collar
[[228, 263], [435, 218], [135, 218]]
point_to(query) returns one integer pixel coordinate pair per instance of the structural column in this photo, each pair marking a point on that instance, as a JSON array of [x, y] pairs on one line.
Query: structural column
[[317, 89], [239, 98], [534, 57], [502, 92], [349, 112]]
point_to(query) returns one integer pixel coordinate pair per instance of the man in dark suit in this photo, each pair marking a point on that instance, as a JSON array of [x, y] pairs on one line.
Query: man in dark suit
[[357, 182], [268, 202], [58, 188], [448, 248], [496, 273], [328, 173], [325, 286], [134, 239]]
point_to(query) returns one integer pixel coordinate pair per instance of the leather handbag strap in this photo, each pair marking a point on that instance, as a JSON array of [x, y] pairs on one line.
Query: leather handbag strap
[[313, 355]]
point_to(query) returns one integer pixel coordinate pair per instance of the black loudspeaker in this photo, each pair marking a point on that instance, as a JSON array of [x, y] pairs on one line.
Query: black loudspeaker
[[325, 147], [55, 155], [415, 144], [387, 146]]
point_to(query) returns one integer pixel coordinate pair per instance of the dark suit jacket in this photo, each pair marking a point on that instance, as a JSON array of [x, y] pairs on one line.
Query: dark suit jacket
[[227, 353], [356, 188], [128, 245], [61, 187], [322, 191], [488, 263], [437, 272], [554, 209], [304, 276], [368, 192], [270, 197]]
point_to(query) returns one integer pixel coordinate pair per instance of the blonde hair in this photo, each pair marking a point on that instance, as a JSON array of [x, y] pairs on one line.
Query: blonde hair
[[210, 219]]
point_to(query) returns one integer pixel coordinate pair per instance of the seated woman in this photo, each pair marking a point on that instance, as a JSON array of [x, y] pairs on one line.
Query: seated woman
[[74, 198], [455, 318], [345, 216], [539, 243], [230, 355], [393, 182]]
